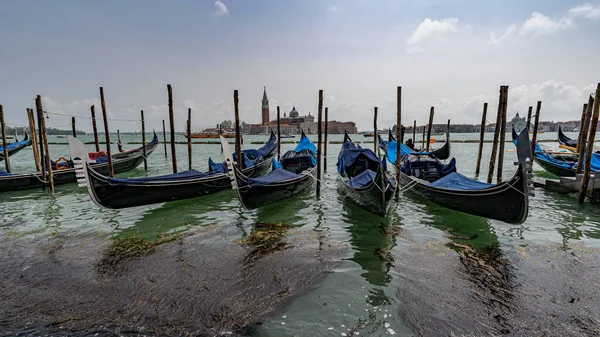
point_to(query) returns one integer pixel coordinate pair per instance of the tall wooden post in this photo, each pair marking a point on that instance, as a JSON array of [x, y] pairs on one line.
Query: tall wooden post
[[414, 133], [118, 136], [529, 112], [481, 137], [278, 134], [398, 130], [95, 128], [165, 138], [189, 138], [429, 128], [375, 140], [583, 134], [172, 125], [4, 144], [326, 131], [144, 140], [497, 129], [538, 108], [34, 140], [40, 118], [73, 127], [319, 130], [424, 134], [581, 123], [238, 141], [590, 147], [111, 171], [502, 133], [44, 137]]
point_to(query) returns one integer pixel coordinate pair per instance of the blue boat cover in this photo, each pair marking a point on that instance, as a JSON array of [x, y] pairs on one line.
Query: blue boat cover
[[4, 173], [404, 150], [540, 155], [185, 175], [13, 145], [275, 164], [222, 167], [216, 167], [444, 169], [349, 154], [268, 147], [273, 177], [456, 181], [362, 179], [305, 144]]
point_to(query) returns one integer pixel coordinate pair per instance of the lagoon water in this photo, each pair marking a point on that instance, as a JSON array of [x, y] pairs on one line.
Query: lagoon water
[[423, 270]]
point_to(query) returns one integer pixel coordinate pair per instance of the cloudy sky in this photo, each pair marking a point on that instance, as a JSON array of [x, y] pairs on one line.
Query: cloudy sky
[[453, 55]]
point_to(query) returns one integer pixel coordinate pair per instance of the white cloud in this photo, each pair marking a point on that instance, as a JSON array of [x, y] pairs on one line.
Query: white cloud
[[221, 8], [538, 24], [428, 30], [587, 10], [510, 30]]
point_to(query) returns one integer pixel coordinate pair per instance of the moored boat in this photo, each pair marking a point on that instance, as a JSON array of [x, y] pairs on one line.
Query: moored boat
[[442, 153], [14, 148]]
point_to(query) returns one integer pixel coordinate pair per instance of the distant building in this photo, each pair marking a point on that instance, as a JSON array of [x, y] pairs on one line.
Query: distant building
[[519, 123], [265, 107]]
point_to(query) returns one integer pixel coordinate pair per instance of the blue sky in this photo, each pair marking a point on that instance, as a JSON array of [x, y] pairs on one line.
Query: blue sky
[[453, 55]]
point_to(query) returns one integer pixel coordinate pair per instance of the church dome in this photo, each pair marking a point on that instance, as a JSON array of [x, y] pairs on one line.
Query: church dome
[[294, 113]]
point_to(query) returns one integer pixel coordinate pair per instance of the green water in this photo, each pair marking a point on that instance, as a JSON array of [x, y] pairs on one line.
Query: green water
[[363, 287]]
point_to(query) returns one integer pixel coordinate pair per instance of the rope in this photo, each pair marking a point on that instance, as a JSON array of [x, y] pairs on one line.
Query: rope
[[87, 117]]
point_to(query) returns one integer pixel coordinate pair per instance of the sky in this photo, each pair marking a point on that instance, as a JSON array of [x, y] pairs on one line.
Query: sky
[[452, 55]]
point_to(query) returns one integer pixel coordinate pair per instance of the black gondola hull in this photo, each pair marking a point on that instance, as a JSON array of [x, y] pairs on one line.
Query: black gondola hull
[[506, 202], [372, 197], [555, 169], [16, 149], [131, 195]]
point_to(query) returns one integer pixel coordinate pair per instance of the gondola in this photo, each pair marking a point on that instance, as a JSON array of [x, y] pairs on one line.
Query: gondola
[[130, 192], [15, 147], [64, 171], [508, 201], [293, 174], [364, 178], [564, 140], [442, 153], [126, 153]]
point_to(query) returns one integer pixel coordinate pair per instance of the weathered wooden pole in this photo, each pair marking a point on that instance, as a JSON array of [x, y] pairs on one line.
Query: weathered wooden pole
[[238, 141], [118, 136], [111, 170], [398, 130], [278, 134], [144, 140], [431, 112], [319, 131], [590, 147], [375, 140], [34, 140], [172, 126], [165, 138], [581, 123], [536, 123], [497, 129], [93, 110], [40, 117], [189, 138], [481, 137], [4, 144], [583, 134], [502, 134], [529, 112], [73, 127], [414, 133], [424, 134], [326, 131], [42, 124]]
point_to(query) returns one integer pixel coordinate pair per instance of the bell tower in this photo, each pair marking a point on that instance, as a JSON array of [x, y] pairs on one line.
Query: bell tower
[[265, 107]]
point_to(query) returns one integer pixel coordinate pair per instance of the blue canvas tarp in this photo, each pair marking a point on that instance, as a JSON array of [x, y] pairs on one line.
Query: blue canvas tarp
[[13, 145], [348, 157], [216, 167], [456, 181], [273, 177], [268, 147], [362, 179], [305, 144], [404, 150], [540, 155], [185, 175], [4, 173]]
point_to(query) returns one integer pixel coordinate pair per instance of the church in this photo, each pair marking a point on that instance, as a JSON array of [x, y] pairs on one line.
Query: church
[[290, 123]]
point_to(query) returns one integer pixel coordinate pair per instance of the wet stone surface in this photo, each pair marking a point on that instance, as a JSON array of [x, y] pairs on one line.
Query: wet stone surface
[[188, 284]]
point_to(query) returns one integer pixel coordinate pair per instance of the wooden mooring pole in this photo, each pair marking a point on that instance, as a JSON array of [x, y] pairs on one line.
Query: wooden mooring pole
[[581, 123], [583, 134], [165, 138], [44, 136], [34, 140], [398, 130], [497, 129], [319, 131], [431, 112], [118, 136], [93, 110], [40, 118], [502, 134], [481, 137], [111, 170], [189, 138], [73, 127], [424, 134], [529, 112], [375, 138], [4, 143], [278, 134], [590, 147], [414, 133], [144, 140], [238, 140], [325, 132], [172, 128], [536, 124]]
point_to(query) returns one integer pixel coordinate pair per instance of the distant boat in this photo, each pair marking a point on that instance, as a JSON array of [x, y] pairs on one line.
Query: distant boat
[[368, 134], [59, 136], [287, 136]]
